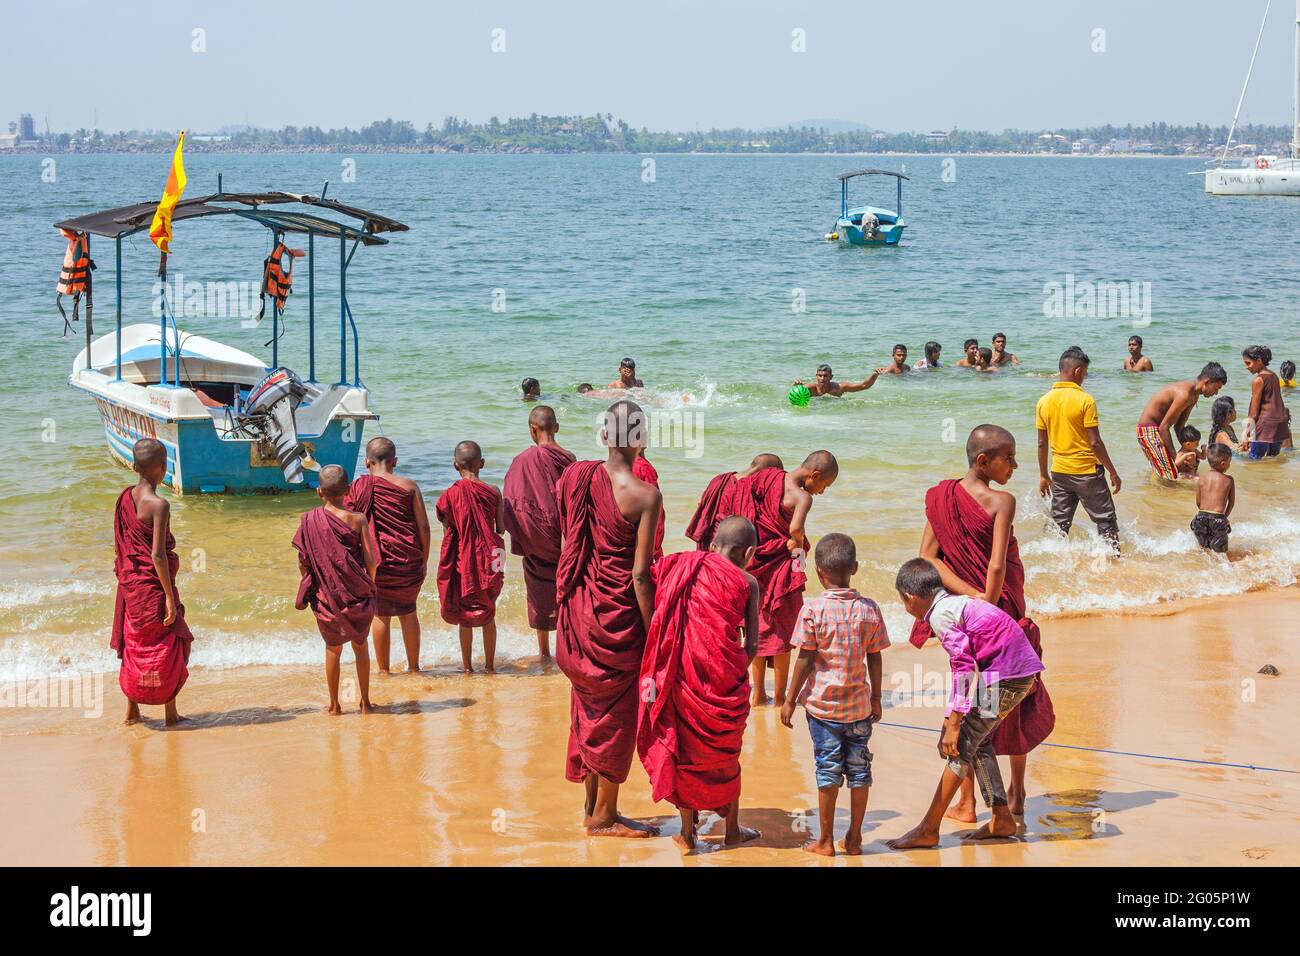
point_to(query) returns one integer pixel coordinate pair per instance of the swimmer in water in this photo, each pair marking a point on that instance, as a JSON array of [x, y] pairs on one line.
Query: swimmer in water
[[627, 376], [931, 360], [825, 384], [899, 366]]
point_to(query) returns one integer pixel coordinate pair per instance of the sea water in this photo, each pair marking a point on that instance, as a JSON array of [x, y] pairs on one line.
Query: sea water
[[714, 274]]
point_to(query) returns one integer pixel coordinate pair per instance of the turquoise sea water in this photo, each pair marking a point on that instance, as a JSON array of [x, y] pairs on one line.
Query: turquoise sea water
[[694, 274]]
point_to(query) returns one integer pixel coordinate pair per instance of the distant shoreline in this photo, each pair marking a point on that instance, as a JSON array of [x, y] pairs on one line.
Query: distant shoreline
[[202, 148]]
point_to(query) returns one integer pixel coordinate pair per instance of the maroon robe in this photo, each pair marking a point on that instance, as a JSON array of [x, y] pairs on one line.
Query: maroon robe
[[471, 566], [154, 655], [780, 574], [964, 531], [707, 516], [642, 469], [390, 509], [335, 583], [533, 520], [695, 682], [601, 634]]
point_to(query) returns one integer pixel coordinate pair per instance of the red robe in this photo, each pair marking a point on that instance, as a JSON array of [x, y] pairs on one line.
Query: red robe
[[646, 472], [335, 582], [964, 531], [600, 634], [780, 573], [707, 515], [533, 520], [471, 566], [154, 655], [391, 511], [695, 682]]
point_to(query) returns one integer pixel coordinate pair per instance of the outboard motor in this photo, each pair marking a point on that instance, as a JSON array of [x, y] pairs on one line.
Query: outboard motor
[[269, 414], [870, 226]]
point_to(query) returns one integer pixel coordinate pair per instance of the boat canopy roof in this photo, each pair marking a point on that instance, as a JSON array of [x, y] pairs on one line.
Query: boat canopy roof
[[873, 172], [125, 220]]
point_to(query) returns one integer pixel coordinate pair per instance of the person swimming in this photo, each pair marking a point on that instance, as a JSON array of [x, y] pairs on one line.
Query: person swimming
[[931, 360]]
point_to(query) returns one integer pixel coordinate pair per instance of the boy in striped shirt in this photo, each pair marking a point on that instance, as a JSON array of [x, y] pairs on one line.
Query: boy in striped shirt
[[840, 635]]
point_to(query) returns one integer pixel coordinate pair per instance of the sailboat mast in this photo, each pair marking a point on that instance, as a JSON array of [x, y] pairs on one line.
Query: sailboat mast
[[1245, 86], [1295, 94]]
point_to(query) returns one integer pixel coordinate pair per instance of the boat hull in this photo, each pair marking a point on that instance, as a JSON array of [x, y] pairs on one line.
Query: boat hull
[[1248, 181], [199, 460]]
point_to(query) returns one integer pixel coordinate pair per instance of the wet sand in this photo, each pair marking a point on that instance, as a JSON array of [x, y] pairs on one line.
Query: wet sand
[[458, 770]]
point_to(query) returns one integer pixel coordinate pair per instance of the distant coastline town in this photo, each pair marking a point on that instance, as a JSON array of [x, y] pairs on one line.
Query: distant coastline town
[[602, 133]]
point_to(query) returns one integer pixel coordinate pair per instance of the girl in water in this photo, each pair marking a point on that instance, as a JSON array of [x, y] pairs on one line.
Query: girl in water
[[1268, 412], [931, 359]]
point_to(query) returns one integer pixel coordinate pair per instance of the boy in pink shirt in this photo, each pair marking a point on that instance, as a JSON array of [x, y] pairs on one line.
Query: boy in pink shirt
[[994, 667], [840, 635]]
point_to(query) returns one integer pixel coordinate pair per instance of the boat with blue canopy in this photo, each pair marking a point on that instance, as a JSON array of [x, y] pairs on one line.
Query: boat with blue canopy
[[230, 421], [869, 225]]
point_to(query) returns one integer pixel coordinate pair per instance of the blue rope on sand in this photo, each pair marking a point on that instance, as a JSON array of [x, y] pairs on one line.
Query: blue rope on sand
[[1121, 753]]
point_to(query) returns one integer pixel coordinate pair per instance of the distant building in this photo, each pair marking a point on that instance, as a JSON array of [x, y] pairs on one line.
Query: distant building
[[881, 134], [936, 136], [26, 127]]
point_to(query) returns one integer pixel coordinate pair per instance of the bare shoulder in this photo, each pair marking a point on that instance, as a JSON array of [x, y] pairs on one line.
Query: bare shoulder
[[354, 520], [1002, 502], [403, 482]]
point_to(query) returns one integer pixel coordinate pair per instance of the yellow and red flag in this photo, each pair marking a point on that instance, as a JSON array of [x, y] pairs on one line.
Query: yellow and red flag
[[161, 229]]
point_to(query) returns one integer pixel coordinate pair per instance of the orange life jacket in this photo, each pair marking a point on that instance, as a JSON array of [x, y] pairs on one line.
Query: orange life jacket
[[277, 281], [74, 280]]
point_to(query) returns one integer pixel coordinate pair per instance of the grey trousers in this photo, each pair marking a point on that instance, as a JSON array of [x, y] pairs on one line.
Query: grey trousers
[[975, 739], [1070, 491]]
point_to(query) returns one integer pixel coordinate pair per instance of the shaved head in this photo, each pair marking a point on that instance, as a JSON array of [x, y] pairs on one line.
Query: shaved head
[[333, 481], [824, 462], [381, 449], [148, 452], [468, 454], [625, 425], [735, 532], [988, 440], [766, 460], [542, 417]]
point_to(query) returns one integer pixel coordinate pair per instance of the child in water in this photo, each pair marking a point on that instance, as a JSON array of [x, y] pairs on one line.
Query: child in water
[[1216, 493], [1189, 456], [1287, 378]]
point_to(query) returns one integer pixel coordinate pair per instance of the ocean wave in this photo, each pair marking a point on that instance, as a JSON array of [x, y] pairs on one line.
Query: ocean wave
[[22, 595]]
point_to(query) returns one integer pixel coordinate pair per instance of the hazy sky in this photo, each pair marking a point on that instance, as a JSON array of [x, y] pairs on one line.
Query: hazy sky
[[891, 64]]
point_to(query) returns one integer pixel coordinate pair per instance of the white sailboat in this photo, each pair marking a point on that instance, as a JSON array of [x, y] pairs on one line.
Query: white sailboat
[[1261, 175]]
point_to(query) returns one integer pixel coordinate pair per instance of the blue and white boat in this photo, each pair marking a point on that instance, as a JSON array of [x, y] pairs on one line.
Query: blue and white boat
[[229, 421], [869, 225]]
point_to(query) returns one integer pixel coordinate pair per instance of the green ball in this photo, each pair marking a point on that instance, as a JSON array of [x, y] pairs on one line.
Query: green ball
[[800, 396]]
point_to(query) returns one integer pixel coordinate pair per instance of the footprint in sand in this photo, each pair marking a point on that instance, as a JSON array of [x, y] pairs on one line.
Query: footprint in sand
[[1256, 852]]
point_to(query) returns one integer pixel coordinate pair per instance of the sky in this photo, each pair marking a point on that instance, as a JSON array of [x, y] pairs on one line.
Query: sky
[[661, 64]]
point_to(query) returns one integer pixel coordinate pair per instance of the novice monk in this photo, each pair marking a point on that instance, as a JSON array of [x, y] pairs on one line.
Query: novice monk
[[777, 503], [150, 635], [1216, 494], [707, 516], [1166, 414], [970, 540], [695, 680], [400, 525], [471, 567], [841, 634], [976, 635], [533, 520], [606, 599], [338, 580]]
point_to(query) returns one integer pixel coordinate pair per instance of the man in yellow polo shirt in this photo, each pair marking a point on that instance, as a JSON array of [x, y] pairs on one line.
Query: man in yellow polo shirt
[[1067, 422]]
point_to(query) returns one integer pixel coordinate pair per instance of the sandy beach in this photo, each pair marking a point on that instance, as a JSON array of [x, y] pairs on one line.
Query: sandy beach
[[458, 770]]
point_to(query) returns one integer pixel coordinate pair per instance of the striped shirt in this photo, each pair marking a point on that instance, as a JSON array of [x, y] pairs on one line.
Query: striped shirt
[[843, 627]]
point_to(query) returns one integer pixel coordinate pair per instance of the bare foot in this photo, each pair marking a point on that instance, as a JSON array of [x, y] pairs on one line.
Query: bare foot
[[385, 672], [367, 707], [131, 720], [761, 700], [173, 720], [467, 670], [914, 839], [961, 812], [335, 709], [994, 828], [132, 713], [685, 840], [1016, 803], [489, 670], [745, 835], [820, 848], [618, 828], [780, 701], [852, 844]]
